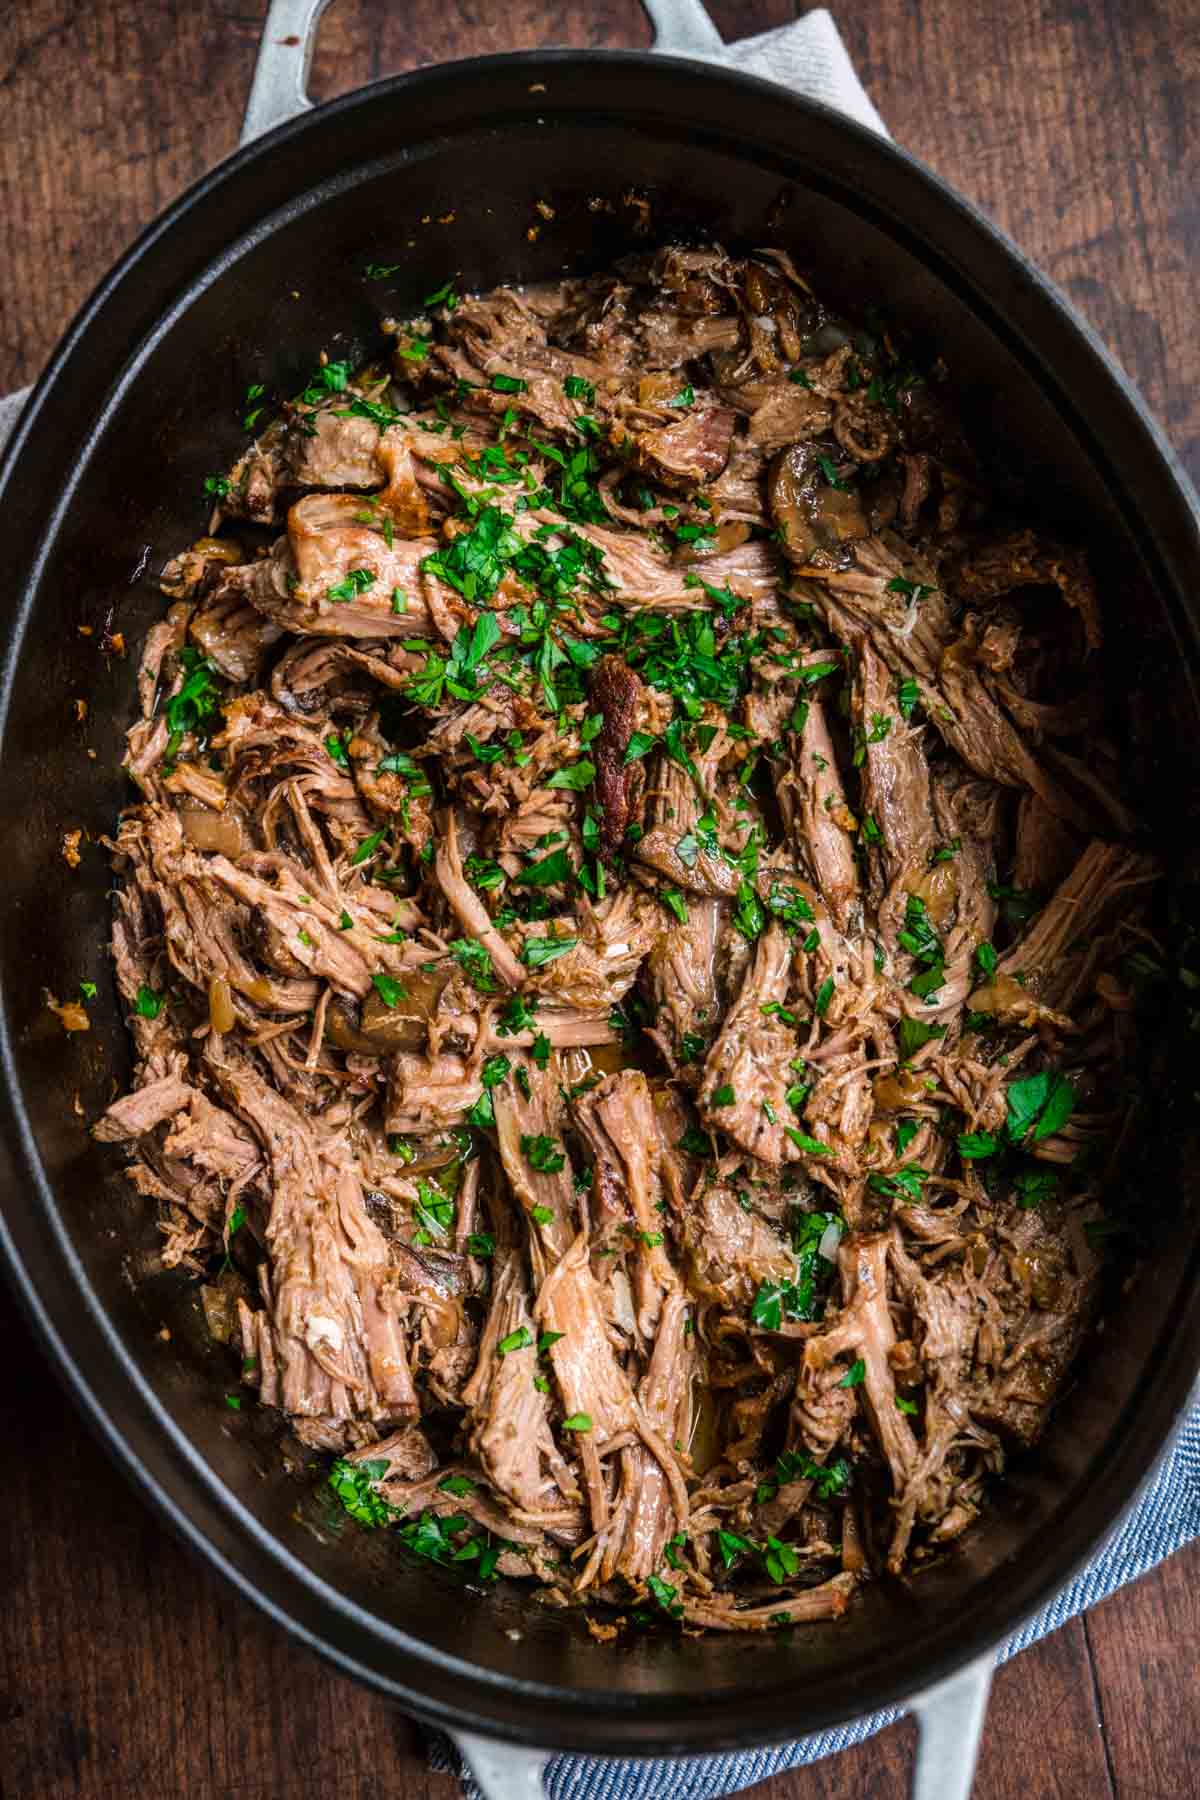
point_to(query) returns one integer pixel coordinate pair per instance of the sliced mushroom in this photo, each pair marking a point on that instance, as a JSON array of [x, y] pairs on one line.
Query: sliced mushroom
[[812, 515], [382, 1029]]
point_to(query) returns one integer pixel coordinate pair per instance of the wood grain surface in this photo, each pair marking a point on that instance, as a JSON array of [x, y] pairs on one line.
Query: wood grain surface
[[126, 1668]]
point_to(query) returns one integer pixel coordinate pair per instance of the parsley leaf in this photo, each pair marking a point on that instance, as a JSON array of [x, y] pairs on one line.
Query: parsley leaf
[[542, 1153], [538, 951], [575, 779], [389, 990], [354, 1485]]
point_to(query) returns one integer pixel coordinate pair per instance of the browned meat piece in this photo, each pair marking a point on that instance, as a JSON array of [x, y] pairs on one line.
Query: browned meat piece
[[916, 487], [1021, 559], [646, 1502], [863, 1330], [407, 1453], [946, 1317], [529, 1131], [593, 1387], [682, 974], [781, 412], [617, 1120], [329, 1343], [336, 449], [1049, 968], [137, 1113], [746, 1076], [234, 636], [689, 452], [667, 339], [616, 692], [213, 1141], [797, 1607], [973, 724], [612, 942], [277, 590], [898, 604], [676, 844], [731, 1248], [895, 790], [820, 824], [427, 1094], [469, 909], [818, 1420], [955, 906], [510, 1432], [645, 575]]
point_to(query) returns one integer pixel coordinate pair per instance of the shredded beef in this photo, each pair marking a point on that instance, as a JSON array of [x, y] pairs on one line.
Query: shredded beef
[[633, 944]]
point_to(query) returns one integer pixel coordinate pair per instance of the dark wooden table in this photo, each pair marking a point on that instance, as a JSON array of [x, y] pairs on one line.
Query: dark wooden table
[[126, 1668]]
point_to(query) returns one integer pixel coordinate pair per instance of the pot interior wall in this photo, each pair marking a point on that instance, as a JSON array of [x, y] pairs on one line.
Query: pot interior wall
[[447, 181]]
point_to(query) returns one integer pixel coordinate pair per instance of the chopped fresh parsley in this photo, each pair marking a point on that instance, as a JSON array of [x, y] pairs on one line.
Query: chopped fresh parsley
[[196, 704], [790, 907], [538, 951], [353, 583], [1039, 1105], [908, 695], [369, 846], [518, 1016], [640, 744], [520, 1339], [476, 963], [976, 1146], [542, 1153], [354, 1485], [672, 898], [574, 779], [389, 990], [914, 1033], [552, 869], [985, 961], [810, 1145], [904, 1184], [1035, 1185], [748, 914], [443, 296], [148, 1005]]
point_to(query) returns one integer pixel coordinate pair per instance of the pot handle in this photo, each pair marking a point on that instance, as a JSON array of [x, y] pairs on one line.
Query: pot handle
[[950, 1721], [949, 1718], [502, 1771], [279, 89]]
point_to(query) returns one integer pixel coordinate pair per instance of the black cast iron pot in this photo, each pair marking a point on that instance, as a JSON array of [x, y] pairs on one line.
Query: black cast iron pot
[[247, 279]]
